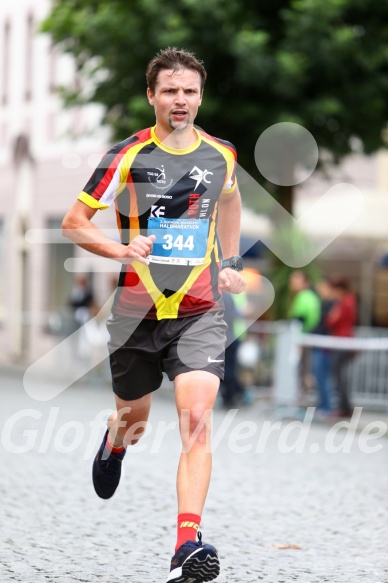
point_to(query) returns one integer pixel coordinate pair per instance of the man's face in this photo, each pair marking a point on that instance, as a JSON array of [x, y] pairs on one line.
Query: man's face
[[297, 282], [176, 98], [324, 290]]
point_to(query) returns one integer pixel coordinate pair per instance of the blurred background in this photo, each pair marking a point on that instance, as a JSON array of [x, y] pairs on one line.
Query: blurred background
[[72, 83]]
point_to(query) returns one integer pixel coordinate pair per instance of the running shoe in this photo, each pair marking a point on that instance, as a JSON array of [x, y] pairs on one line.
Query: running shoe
[[194, 562], [107, 470]]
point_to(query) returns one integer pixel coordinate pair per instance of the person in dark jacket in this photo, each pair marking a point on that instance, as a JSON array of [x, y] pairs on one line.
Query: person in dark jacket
[[231, 389], [340, 321], [321, 357]]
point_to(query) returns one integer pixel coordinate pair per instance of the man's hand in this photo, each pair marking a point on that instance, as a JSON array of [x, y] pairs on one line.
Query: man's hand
[[78, 227], [139, 248], [231, 280]]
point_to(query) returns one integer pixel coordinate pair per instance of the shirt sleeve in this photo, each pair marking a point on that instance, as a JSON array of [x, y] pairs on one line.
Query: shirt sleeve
[[107, 180], [231, 180]]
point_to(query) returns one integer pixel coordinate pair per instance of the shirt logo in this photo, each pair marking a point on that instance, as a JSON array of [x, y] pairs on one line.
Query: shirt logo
[[157, 177], [157, 211], [199, 176], [188, 524], [210, 359]]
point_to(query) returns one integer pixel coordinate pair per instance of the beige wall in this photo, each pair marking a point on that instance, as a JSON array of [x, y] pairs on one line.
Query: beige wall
[[63, 148]]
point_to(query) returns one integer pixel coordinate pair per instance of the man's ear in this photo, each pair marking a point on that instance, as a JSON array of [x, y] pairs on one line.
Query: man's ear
[[150, 96]]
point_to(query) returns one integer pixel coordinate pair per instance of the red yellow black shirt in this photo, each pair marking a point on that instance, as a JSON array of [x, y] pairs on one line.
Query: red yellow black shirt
[[173, 194]]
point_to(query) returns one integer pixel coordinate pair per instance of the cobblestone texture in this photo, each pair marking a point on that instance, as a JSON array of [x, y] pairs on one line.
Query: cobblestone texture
[[54, 529]]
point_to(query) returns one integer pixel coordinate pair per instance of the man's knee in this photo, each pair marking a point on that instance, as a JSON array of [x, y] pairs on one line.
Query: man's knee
[[195, 425], [121, 423]]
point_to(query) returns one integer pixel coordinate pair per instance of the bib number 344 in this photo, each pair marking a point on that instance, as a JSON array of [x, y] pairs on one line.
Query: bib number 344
[[179, 242]]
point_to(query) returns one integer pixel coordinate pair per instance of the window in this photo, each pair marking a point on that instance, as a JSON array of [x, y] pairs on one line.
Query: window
[[2, 274], [3, 135], [29, 56], [6, 60], [52, 68], [59, 281]]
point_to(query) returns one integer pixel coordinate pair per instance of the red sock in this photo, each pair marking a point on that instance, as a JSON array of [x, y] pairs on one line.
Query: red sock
[[187, 528], [113, 449]]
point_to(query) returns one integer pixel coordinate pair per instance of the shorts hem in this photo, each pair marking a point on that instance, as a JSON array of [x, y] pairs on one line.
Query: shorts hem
[[127, 397], [181, 369]]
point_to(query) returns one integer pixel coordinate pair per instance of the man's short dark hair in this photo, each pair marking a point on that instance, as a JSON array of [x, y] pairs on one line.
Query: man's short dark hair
[[175, 59], [338, 281]]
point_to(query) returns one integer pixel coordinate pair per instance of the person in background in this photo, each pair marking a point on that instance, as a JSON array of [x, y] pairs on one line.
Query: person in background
[[231, 389], [83, 307], [305, 307], [81, 300], [320, 357], [340, 321]]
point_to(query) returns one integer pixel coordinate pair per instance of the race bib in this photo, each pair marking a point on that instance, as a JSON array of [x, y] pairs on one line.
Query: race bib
[[178, 241]]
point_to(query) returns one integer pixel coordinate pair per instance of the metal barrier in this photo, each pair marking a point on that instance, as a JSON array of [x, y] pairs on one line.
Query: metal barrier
[[367, 371]]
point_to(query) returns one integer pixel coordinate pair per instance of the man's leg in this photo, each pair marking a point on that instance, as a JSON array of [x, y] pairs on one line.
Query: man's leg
[[320, 370], [195, 394], [125, 427], [344, 402], [127, 424], [136, 372]]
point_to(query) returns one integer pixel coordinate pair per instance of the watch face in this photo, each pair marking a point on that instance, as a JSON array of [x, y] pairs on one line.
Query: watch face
[[234, 262], [238, 263]]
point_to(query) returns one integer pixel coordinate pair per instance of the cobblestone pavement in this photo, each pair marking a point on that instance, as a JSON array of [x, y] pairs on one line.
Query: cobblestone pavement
[[332, 505]]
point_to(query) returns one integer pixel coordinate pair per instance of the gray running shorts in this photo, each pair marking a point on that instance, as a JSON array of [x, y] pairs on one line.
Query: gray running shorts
[[141, 350]]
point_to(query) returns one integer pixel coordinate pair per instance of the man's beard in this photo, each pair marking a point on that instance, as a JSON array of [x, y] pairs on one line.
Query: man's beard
[[179, 126]]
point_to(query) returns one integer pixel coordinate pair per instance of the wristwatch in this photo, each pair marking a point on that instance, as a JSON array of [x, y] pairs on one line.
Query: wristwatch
[[234, 262]]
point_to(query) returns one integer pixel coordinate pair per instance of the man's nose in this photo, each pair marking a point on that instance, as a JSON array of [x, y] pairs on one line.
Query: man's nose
[[180, 97]]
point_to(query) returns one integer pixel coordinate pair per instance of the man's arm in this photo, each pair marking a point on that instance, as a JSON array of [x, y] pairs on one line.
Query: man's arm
[[78, 227], [228, 229]]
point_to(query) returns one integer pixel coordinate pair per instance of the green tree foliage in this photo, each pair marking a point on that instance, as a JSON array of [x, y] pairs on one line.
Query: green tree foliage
[[321, 64]]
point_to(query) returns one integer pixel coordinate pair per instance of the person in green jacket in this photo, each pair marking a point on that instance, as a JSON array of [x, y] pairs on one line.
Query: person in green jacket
[[305, 307], [306, 304]]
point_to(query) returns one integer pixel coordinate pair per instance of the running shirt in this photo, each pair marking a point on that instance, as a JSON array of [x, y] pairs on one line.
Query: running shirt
[[306, 307], [174, 195]]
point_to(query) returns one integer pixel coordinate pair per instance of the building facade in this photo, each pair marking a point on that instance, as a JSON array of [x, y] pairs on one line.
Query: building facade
[[47, 153]]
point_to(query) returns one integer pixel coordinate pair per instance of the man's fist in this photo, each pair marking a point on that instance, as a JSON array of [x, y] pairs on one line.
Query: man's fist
[[231, 280], [139, 248]]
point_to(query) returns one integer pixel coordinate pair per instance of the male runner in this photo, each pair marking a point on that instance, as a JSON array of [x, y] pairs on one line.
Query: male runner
[[174, 187]]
